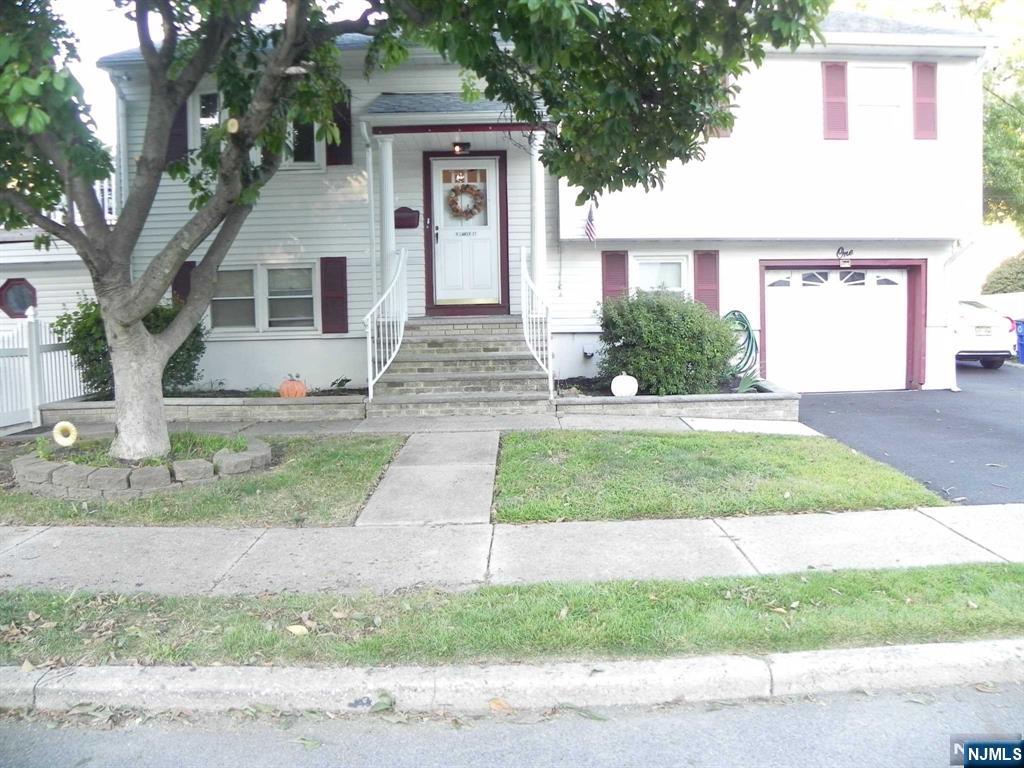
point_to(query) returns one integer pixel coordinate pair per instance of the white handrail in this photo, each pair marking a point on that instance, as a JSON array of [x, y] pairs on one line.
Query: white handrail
[[536, 322], [385, 325]]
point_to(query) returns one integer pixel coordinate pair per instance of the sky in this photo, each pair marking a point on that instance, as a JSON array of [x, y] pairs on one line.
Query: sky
[[102, 29]]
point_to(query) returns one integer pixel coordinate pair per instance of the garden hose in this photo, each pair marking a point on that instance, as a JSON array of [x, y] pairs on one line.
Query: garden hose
[[745, 361]]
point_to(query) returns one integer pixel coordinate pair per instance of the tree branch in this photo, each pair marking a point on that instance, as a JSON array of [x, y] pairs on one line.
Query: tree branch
[[69, 233], [204, 281], [154, 61]]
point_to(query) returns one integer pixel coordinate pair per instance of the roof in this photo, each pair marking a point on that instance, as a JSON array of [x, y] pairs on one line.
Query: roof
[[430, 103], [836, 21], [848, 21]]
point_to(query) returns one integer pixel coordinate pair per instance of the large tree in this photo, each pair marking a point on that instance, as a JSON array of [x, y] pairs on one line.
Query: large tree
[[623, 87]]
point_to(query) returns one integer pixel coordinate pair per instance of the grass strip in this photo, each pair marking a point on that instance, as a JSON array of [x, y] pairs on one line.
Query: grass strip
[[317, 482], [570, 475], [615, 619]]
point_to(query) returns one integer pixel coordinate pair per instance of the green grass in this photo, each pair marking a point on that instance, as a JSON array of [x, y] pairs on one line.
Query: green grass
[[548, 476], [318, 482], [184, 445], [617, 619]]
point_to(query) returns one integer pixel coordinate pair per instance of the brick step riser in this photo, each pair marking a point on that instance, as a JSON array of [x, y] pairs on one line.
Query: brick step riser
[[458, 334], [414, 347], [460, 387], [508, 408], [464, 328], [496, 365]]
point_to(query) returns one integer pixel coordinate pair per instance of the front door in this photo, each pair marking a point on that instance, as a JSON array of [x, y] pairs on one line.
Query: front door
[[467, 231]]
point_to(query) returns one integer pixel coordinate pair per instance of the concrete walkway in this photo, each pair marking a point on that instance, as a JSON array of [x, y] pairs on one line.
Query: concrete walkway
[[437, 478], [383, 558]]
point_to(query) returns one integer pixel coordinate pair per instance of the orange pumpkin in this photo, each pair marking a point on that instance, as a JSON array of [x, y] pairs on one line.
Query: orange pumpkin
[[292, 387]]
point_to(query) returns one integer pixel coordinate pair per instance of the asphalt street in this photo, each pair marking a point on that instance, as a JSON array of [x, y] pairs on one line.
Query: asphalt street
[[886, 730], [966, 445]]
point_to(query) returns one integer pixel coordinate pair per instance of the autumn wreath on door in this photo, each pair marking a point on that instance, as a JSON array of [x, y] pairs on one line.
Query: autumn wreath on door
[[465, 201]]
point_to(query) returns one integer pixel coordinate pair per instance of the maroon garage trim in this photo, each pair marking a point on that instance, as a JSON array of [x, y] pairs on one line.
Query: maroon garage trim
[[428, 239], [917, 305]]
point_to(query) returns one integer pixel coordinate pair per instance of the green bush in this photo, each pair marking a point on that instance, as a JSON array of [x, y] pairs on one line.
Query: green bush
[[672, 346], [1008, 277], [82, 330]]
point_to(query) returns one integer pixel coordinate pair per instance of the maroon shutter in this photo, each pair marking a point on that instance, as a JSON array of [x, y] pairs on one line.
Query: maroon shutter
[[341, 154], [705, 272], [833, 75], [182, 284], [334, 294], [926, 122], [177, 142], [614, 274]]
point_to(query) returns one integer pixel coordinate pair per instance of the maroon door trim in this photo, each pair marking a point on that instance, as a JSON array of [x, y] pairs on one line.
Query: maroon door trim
[[428, 239], [917, 305]]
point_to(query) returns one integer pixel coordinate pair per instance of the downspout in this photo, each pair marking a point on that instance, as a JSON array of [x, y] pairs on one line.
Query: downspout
[[372, 219]]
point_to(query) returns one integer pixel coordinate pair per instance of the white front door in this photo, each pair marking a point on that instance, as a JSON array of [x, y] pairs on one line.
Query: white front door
[[467, 231], [836, 330]]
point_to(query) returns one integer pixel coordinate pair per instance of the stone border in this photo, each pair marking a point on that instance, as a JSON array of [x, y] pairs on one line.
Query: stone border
[[209, 409], [80, 482], [776, 404]]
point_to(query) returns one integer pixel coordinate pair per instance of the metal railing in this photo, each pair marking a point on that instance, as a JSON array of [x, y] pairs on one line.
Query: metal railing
[[35, 368], [106, 192], [385, 324], [536, 321]]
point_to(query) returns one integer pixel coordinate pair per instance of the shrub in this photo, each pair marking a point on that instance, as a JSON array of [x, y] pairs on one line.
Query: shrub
[[1008, 277], [82, 330], [673, 346]]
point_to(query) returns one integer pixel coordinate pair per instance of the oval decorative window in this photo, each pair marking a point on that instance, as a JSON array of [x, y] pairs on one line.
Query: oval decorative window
[[16, 296]]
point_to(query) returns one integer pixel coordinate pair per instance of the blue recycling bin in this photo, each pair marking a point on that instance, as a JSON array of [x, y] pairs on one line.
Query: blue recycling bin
[[1020, 340]]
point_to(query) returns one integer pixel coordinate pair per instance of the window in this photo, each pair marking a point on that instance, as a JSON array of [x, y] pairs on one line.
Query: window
[[290, 298], [814, 278], [234, 302], [306, 150], [850, 277], [205, 114], [16, 296], [664, 273], [264, 298]]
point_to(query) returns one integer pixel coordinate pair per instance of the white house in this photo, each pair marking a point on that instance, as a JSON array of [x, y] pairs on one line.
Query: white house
[[827, 216]]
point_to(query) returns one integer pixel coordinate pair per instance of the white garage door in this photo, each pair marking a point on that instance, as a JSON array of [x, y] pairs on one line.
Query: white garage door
[[836, 330]]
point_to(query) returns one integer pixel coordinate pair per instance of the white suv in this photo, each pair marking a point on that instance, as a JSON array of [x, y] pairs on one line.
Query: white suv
[[984, 335]]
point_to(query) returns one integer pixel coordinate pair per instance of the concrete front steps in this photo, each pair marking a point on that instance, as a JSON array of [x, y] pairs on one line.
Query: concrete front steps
[[450, 366]]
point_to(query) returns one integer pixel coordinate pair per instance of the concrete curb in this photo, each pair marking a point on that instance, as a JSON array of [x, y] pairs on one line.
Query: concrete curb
[[470, 688]]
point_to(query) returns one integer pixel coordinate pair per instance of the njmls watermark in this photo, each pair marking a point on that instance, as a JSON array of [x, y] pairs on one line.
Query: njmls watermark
[[982, 750]]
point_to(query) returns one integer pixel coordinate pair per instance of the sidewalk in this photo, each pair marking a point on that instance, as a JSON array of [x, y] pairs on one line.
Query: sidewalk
[[383, 558]]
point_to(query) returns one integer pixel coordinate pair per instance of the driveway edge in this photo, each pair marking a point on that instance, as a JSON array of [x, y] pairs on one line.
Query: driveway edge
[[474, 688]]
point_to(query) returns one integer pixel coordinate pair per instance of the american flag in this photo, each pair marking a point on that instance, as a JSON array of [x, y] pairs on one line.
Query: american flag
[[590, 228]]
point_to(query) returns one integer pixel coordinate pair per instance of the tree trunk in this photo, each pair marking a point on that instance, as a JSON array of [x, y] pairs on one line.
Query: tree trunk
[[138, 361]]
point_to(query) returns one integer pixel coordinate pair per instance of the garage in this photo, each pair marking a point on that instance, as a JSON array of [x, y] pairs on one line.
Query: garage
[[836, 330]]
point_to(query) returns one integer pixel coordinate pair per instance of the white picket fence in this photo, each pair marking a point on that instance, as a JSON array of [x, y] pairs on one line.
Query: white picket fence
[[35, 369]]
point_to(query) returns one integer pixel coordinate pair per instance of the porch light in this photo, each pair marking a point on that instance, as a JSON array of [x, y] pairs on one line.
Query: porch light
[[460, 147]]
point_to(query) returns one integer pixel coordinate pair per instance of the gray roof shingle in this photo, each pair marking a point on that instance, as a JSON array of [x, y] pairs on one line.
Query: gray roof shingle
[[849, 21], [429, 103]]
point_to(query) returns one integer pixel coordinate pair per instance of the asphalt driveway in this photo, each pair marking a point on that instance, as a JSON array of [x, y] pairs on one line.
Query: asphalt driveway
[[967, 446]]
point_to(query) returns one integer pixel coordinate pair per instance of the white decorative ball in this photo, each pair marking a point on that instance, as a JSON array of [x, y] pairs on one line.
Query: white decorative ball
[[65, 434], [624, 385]]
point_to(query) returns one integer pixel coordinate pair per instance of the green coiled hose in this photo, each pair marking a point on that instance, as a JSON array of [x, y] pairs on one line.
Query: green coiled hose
[[746, 356]]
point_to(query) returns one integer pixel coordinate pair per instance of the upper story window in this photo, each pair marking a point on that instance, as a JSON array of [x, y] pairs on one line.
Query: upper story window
[[874, 98], [306, 150], [204, 111]]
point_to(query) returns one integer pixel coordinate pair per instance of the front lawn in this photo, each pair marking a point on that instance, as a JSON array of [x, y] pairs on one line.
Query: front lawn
[[752, 615], [568, 475], [317, 482]]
